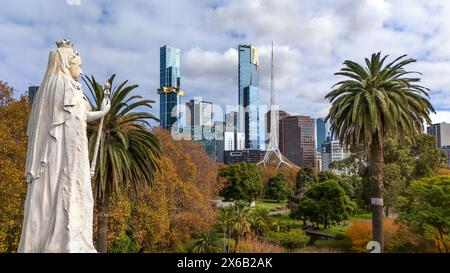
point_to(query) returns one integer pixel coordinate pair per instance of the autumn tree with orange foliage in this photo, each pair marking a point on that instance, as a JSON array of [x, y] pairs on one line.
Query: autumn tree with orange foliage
[[178, 205], [13, 144], [270, 171], [360, 233]]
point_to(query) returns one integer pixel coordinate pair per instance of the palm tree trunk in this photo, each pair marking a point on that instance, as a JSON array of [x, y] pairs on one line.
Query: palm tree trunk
[[377, 179], [102, 228], [236, 243]]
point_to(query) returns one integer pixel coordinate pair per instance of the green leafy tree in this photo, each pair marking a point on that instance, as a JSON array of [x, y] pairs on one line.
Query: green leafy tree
[[128, 152], [324, 176], [426, 209], [326, 203], [277, 188], [404, 162], [244, 182], [374, 102], [304, 178], [428, 157]]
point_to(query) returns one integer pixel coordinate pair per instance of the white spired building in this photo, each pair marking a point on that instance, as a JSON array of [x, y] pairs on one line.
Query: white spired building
[[332, 150]]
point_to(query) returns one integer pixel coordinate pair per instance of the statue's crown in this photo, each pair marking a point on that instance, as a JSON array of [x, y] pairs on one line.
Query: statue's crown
[[64, 43]]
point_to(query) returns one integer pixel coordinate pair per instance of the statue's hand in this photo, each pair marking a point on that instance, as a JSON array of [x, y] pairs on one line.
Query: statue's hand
[[106, 105], [104, 108]]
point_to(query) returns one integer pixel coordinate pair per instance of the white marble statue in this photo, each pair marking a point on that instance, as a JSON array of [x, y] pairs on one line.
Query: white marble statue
[[59, 203]]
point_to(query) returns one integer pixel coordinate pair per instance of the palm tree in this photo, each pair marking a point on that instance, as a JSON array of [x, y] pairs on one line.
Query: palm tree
[[225, 220], [208, 242], [241, 212], [260, 221], [375, 102], [128, 151]]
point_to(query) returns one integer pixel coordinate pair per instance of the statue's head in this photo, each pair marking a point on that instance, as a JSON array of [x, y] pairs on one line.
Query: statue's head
[[70, 59]]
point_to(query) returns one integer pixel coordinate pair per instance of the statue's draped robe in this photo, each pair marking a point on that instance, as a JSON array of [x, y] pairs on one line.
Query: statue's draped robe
[[59, 203]]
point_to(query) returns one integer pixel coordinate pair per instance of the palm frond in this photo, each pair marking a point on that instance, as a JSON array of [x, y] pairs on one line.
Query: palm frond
[[129, 152]]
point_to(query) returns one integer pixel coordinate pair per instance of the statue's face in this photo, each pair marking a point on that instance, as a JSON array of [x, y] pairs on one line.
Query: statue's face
[[75, 71]]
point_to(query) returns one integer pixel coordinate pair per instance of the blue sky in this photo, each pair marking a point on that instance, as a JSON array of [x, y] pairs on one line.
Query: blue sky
[[312, 38]]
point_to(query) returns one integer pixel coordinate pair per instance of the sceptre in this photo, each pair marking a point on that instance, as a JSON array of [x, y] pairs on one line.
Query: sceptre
[[106, 92]]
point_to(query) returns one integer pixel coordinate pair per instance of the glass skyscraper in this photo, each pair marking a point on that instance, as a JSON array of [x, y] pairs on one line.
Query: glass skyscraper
[[169, 87], [32, 91], [200, 122], [321, 133], [249, 96]]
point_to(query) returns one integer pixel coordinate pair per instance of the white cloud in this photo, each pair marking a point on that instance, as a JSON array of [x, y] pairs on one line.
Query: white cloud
[[312, 39], [440, 116]]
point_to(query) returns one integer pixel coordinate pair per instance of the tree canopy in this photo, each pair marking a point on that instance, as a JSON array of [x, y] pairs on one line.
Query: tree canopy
[[243, 182], [277, 188], [426, 208], [326, 203]]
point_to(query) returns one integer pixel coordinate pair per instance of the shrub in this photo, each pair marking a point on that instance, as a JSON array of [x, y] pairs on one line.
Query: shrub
[[184, 247], [251, 244], [343, 245], [290, 240], [360, 233], [408, 240], [124, 245]]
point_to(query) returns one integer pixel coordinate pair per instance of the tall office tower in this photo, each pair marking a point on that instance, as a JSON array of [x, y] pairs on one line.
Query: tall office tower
[[230, 131], [441, 132], [32, 90], [219, 130], [249, 96], [297, 141], [234, 139], [200, 112], [321, 133], [199, 120], [332, 150], [169, 90]]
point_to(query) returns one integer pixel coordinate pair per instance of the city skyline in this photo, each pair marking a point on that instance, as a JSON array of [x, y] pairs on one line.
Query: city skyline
[[310, 44]]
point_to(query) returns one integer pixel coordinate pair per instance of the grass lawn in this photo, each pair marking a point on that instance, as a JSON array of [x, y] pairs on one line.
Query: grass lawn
[[362, 216], [334, 230], [341, 228], [271, 205], [285, 219]]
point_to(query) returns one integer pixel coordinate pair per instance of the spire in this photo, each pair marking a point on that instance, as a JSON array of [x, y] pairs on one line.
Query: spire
[[272, 148], [272, 83]]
